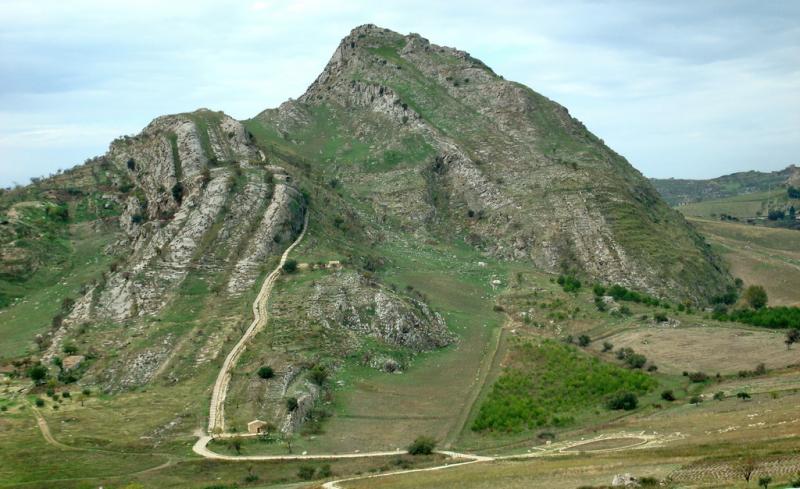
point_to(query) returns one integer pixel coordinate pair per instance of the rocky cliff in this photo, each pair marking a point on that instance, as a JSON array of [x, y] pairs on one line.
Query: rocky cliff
[[437, 143]]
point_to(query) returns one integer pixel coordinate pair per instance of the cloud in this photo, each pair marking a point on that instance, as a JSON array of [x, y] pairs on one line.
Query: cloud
[[680, 88]]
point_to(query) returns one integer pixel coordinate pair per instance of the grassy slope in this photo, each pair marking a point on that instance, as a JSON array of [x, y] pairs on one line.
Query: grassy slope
[[759, 255]]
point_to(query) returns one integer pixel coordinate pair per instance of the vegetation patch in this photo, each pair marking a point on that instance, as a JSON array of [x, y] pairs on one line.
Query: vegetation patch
[[547, 384]]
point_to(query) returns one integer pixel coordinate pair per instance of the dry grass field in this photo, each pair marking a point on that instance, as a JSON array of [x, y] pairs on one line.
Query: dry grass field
[[709, 349]]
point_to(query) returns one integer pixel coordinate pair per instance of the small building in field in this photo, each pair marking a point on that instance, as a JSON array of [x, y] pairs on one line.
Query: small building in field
[[257, 426]]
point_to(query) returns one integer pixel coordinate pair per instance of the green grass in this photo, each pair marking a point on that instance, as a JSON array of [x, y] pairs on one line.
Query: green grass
[[547, 384], [47, 287]]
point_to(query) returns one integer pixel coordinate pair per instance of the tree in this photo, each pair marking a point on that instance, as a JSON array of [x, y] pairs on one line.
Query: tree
[[764, 481], [236, 445], [422, 445], [290, 266], [756, 296], [38, 373], [584, 340], [792, 337], [746, 468], [636, 360], [626, 401], [266, 372]]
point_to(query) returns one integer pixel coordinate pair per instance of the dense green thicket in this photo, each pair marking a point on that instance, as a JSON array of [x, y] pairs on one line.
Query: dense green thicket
[[549, 383], [767, 317], [621, 293]]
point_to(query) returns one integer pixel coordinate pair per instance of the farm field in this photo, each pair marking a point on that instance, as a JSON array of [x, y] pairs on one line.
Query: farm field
[[759, 255]]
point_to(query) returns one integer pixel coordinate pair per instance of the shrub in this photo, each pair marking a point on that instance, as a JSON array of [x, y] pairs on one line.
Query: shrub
[[718, 396], [318, 375], [668, 395], [70, 349], [584, 340], [764, 481], [756, 296], [698, 377], [743, 395], [422, 445], [291, 403], [37, 373], [599, 290], [325, 470], [626, 401], [39, 402], [660, 317], [290, 266], [600, 304], [177, 192], [266, 372], [607, 346], [695, 400], [569, 283], [636, 360], [306, 472]]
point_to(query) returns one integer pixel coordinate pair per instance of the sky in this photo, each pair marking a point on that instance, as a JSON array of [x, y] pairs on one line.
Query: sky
[[690, 89]]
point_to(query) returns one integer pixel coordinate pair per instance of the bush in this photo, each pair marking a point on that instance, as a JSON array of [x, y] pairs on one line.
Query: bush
[[325, 470], [70, 349], [695, 400], [718, 396], [306, 472], [291, 403], [668, 395], [177, 192], [756, 296], [607, 346], [636, 360], [743, 395], [660, 317], [422, 445], [266, 372], [599, 290], [39, 402], [318, 375], [569, 283], [37, 373], [290, 266], [626, 401], [698, 377], [584, 340]]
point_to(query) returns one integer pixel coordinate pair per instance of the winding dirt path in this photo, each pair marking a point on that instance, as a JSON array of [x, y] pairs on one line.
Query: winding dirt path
[[216, 415]]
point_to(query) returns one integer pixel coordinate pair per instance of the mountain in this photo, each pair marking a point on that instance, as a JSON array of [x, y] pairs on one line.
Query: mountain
[[677, 191], [754, 197], [434, 143]]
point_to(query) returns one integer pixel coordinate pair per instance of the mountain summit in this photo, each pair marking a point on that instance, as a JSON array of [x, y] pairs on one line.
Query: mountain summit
[[432, 140]]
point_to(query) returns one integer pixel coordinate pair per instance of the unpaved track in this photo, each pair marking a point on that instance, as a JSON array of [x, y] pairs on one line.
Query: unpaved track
[[216, 415]]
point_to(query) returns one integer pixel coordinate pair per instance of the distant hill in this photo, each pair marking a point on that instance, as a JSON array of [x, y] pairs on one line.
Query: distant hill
[[678, 191]]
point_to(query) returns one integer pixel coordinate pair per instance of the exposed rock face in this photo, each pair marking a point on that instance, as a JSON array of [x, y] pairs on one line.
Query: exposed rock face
[[345, 301], [199, 198], [468, 151]]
